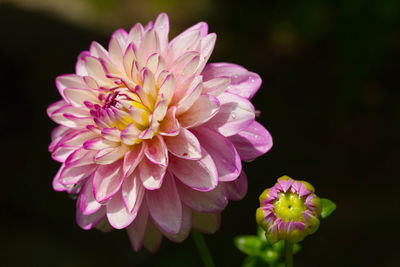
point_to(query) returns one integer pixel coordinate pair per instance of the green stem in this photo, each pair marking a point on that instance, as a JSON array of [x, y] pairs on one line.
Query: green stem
[[288, 254], [202, 249]]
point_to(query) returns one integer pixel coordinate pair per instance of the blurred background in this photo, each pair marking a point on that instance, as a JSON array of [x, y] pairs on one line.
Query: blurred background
[[329, 97]]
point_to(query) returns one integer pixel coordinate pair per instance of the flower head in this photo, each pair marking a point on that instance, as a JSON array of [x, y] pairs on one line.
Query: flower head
[[289, 210], [151, 137]]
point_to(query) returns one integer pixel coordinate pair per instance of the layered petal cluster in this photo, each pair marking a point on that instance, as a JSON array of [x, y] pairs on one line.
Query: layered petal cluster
[[151, 137], [289, 210]]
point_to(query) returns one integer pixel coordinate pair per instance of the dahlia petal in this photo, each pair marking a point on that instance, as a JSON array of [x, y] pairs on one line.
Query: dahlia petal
[[73, 121], [161, 26], [57, 186], [152, 63], [216, 86], [90, 82], [183, 62], [87, 203], [77, 139], [116, 48], [148, 26], [252, 142], [149, 45], [95, 70], [77, 96], [205, 108], [111, 134], [54, 144], [60, 154], [75, 189], [80, 66], [199, 174], [207, 46], [192, 67], [87, 222], [237, 189], [136, 34], [117, 214], [161, 108], [152, 237], [97, 50], [170, 125], [285, 184], [211, 201], [184, 145], [111, 70], [59, 131], [130, 134], [184, 42], [93, 129], [121, 36], [137, 228], [192, 94], [207, 223], [69, 81], [73, 175], [132, 159], [148, 83], [236, 114], [151, 174], [132, 191], [201, 26], [156, 151], [185, 229], [55, 106], [99, 143], [107, 181], [150, 132], [71, 117], [110, 154], [165, 206], [128, 59], [167, 87], [79, 157], [243, 82], [222, 152]]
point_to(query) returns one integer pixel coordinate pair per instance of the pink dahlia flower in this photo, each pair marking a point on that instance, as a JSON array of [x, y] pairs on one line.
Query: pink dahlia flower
[[151, 138]]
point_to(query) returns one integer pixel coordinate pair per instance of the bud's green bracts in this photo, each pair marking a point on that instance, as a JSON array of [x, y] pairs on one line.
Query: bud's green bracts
[[289, 210]]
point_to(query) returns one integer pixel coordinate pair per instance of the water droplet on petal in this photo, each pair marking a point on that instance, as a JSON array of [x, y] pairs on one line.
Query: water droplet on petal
[[233, 115]]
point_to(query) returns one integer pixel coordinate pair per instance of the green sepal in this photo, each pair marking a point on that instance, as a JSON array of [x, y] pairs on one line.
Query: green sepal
[[327, 207], [261, 234]]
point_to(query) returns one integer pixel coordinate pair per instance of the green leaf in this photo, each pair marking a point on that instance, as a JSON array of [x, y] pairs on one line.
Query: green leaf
[[249, 244], [327, 207]]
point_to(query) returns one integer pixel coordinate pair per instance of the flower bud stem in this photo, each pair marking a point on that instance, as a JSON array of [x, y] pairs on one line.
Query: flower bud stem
[[202, 249], [288, 254]]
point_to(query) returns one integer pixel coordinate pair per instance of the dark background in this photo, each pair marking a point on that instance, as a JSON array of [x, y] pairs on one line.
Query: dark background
[[329, 97]]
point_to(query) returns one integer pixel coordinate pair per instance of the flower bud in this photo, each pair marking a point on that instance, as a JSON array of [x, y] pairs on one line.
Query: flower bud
[[289, 210]]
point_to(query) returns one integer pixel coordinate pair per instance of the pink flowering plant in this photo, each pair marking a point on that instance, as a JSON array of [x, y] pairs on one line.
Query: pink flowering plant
[[151, 136]]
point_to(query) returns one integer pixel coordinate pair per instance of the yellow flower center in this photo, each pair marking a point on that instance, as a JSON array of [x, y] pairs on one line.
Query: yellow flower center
[[289, 206]]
